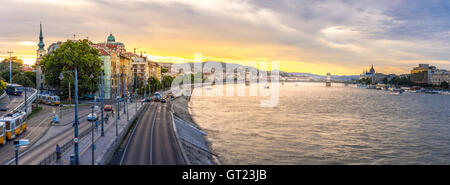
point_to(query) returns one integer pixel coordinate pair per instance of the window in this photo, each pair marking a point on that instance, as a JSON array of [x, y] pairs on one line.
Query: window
[[7, 125]]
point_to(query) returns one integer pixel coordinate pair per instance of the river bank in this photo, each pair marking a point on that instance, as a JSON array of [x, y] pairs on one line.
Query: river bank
[[193, 140]]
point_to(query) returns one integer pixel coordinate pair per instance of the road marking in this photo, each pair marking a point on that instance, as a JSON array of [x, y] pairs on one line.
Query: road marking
[[129, 140], [151, 134]]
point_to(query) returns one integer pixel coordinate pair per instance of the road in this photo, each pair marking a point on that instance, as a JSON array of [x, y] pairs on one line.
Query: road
[[153, 141], [37, 153], [14, 101]]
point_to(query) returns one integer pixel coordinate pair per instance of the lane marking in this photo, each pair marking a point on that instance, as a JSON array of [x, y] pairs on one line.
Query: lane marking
[[129, 140], [151, 134]]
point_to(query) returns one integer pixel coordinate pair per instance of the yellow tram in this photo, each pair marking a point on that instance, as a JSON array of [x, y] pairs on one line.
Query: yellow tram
[[2, 133], [14, 124]]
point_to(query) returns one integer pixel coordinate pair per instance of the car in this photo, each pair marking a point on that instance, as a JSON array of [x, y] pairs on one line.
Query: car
[[92, 117], [88, 96], [108, 108], [147, 100], [163, 100]]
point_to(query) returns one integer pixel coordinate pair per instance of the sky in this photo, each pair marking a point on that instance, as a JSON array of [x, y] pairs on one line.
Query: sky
[[313, 36]]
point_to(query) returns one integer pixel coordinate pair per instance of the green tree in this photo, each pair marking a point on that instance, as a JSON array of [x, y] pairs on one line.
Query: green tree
[[164, 70], [154, 84], [16, 64], [385, 80], [444, 85], [22, 79], [2, 86], [70, 56], [167, 81]]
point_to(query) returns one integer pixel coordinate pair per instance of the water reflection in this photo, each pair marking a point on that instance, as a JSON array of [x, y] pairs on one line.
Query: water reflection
[[313, 124]]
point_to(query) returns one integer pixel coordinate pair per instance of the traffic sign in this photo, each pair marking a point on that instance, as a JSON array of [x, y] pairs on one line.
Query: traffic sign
[[75, 140]]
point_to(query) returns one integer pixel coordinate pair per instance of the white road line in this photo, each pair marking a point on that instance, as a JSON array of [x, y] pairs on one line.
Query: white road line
[[129, 140], [151, 135]]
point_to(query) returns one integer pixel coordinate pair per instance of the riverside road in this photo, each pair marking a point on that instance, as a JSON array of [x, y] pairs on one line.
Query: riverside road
[[152, 140]]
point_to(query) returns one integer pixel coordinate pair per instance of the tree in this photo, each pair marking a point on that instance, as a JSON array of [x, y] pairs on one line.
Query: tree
[[22, 79], [385, 80], [16, 64], [167, 81], [70, 56], [2, 86], [154, 84], [164, 70], [444, 85], [16, 67]]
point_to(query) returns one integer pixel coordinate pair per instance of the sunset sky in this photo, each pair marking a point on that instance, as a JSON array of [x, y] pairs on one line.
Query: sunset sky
[[341, 37]]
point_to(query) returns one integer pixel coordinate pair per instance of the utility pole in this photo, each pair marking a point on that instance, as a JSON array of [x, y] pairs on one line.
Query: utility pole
[[101, 95], [118, 101], [10, 68]]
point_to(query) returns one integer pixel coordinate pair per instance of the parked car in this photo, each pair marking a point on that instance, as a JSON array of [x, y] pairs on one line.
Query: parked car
[[92, 117], [108, 108], [88, 96]]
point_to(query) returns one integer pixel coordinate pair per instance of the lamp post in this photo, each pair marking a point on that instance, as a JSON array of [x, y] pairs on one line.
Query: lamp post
[[118, 92], [124, 102], [76, 157], [101, 95], [10, 68], [92, 121], [17, 144]]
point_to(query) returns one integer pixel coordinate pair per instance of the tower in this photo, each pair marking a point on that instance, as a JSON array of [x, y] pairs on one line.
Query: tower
[[40, 53]]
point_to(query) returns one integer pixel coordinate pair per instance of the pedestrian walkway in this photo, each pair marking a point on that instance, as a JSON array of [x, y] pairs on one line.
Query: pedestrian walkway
[[102, 144]]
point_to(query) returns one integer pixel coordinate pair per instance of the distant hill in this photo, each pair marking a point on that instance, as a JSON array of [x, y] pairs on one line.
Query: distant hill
[[283, 73]]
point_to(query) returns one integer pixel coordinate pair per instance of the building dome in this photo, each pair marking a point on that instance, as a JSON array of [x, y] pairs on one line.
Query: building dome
[[111, 38]]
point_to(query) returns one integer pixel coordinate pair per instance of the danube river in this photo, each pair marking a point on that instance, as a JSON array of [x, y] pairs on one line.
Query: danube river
[[314, 124]]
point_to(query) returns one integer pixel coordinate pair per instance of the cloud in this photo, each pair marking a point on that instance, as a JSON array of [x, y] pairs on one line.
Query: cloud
[[328, 33]]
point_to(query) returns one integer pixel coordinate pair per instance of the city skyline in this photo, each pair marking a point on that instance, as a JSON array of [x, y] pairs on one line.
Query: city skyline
[[341, 37]]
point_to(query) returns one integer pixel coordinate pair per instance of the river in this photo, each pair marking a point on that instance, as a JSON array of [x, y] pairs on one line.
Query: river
[[314, 124]]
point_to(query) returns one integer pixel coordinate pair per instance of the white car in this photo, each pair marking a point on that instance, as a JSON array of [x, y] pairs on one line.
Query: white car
[[92, 117]]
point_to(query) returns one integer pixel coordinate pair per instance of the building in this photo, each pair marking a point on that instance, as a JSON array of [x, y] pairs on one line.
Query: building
[[40, 52], [426, 74], [438, 76], [421, 74], [116, 66], [368, 74]]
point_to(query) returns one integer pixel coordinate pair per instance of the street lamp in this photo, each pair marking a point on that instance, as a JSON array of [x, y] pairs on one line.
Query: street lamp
[[10, 68], [92, 121], [18, 144], [101, 95], [76, 161]]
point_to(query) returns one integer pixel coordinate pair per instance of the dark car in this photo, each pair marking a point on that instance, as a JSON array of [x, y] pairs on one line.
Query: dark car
[[148, 100], [163, 100], [88, 96]]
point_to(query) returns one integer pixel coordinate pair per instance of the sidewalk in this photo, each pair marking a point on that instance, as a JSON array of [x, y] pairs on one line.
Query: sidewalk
[[103, 145]]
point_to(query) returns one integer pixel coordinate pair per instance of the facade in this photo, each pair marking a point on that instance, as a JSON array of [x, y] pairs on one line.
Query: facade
[[421, 74], [119, 66], [438, 76], [426, 74], [368, 74], [140, 67], [116, 66], [40, 52]]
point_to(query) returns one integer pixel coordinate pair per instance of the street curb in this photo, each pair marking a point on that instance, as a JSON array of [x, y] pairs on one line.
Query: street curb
[[177, 137]]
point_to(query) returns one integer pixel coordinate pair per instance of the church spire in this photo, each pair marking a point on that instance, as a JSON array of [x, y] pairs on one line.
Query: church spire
[[41, 38]]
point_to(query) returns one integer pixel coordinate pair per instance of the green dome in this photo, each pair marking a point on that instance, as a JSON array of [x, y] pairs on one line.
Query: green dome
[[111, 38]]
